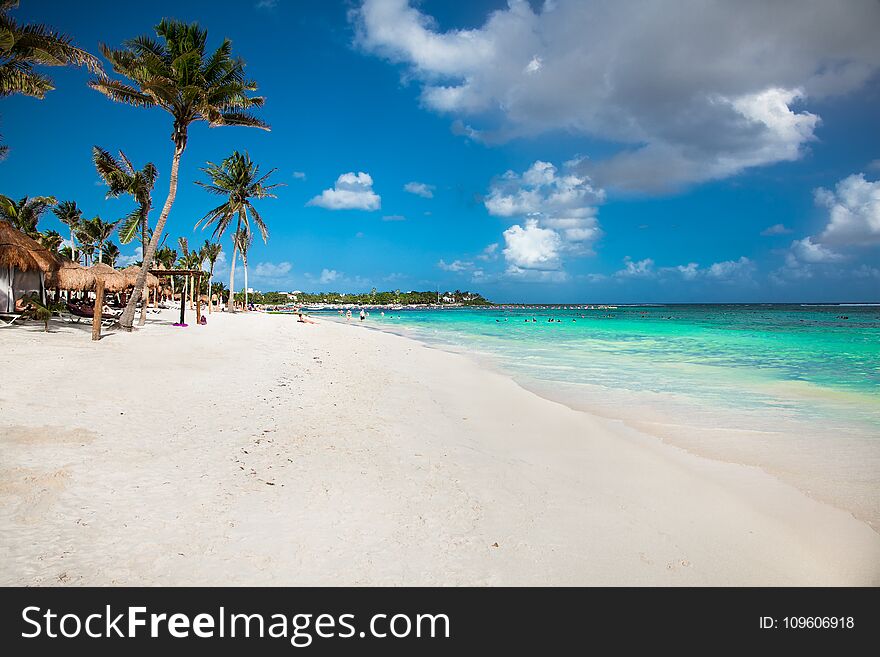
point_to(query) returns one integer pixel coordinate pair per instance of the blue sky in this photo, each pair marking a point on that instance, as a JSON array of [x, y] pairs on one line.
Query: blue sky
[[563, 151]]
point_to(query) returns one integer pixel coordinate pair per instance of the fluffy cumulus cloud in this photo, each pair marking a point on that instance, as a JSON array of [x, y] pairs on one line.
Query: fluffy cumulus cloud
[[353, 191], [271, 270], [559, 209], [806, 250], [673, 86], [123, 260], [420, 189], [853, 211], [530, 247], [731, 269], [329, 275], [636, 268]]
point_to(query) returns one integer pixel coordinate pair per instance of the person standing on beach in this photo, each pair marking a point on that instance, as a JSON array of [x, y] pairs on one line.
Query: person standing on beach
[[363, 315], [348, 315]]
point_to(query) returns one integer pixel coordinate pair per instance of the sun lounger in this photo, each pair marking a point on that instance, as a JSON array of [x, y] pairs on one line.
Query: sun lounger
[[7, 319], [78, 313]]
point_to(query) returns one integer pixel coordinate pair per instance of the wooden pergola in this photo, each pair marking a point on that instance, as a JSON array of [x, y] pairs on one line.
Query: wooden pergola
[[186, 273]]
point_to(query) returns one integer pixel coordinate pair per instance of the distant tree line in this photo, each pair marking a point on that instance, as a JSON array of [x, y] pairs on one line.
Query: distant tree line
[[373, 297]]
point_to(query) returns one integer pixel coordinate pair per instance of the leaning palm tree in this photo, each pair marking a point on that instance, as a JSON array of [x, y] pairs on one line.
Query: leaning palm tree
[[212, 252], [122, 178], [96, 232], [25, 213], [177, 75], [239, 180], [243, 239], [71, 216]]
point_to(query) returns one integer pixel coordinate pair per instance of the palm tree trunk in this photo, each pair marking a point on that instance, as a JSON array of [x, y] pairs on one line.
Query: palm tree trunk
[[72, 246], [244, 261], [127, 319], [210, 296], [231, 307], [146, 300]]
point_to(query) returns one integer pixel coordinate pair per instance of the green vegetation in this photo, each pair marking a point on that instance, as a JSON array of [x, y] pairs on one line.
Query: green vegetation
[[373, 297]]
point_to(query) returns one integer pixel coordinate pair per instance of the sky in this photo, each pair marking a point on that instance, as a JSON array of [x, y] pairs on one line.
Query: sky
[[554, 151]]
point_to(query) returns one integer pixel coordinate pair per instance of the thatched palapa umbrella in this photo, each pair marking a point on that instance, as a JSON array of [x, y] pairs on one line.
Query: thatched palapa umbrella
[[131, 274], [114, 281], [19, 251], [71, 276]]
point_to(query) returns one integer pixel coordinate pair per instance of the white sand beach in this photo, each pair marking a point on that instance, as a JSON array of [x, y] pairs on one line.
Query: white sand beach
[[258, 450]]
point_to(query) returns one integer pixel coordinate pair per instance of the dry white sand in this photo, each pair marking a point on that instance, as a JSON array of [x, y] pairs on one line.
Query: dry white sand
[[257, 450]]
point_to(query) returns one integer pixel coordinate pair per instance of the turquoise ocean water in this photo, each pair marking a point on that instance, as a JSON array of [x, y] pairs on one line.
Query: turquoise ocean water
[[793, 389]]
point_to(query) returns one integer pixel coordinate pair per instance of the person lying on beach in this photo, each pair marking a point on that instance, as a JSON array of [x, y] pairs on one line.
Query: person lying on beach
[[21, 305], [305, 320]]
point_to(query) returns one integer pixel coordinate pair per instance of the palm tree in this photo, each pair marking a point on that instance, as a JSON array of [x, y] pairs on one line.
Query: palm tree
[[178, 76], [24, 46], [25, 213], [111, 252], [212, 252], [96, 232], [239, 180], [122, 178], [199, 260], [166, 256], [243, 240], [184, 262], [71, 216], [51, 239]]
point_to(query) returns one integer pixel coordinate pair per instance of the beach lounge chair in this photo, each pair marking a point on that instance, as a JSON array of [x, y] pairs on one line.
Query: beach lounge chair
[[8, 319], [78, 313]]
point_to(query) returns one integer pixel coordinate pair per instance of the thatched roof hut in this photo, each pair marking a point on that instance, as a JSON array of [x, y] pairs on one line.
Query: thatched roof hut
[[71, 276], [23, 253], [114, 281], [131, 274]]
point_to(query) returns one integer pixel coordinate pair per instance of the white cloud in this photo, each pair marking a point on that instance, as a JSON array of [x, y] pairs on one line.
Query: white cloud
[[299, 175], [489, 253], [776, 229], [806, 250], [353, 191], [271, 269], [853, 211], [266, 4], [674, 87], [731, 269], [393, 217], [727, 270], [532, 247], [127, 260], [560, 213], [329, 275], [420, 189], [689, 271], [636, 269], [455, 265]]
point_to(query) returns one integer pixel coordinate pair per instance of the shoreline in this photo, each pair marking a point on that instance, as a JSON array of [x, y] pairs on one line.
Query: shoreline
[[272, 452], [808, 477]]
